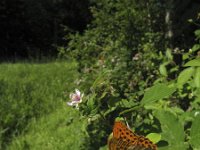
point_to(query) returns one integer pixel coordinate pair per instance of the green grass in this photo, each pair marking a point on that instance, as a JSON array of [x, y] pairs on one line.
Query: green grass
[[33, 111], [57, 131]]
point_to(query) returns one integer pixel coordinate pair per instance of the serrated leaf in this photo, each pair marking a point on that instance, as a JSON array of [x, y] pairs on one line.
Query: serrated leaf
[[185, 75], [172, 130], [197, 77], [154, 137], [157, 92], [193, 63], [195, 133]]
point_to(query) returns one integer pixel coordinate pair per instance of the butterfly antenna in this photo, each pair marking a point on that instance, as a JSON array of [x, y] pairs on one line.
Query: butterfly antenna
[[127, 123]]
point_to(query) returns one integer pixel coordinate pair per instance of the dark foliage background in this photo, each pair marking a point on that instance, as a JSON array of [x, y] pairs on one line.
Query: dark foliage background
[[34, 28]]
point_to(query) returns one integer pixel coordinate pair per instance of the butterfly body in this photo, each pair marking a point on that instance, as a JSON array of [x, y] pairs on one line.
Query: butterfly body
[[124, 139]]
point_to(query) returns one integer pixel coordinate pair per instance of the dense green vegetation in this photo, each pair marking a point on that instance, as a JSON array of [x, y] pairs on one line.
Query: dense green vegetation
[[29, 91], [129, 68], [62, 129], [130, 62]]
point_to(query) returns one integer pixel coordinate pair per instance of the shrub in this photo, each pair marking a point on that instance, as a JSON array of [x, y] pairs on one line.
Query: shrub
[[126, 70]]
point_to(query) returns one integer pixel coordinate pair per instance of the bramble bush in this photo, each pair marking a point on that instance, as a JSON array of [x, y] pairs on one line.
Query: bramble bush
[[160, 110], [124, 37], [127, 70]]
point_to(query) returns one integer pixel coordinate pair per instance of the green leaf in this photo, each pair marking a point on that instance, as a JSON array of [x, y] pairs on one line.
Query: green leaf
[[172, 130], [157, 92], [154, 137], [109, 111], [100, 78], [197, 77], [169, 54], [104, 147], [195, 47], [186, 56], [126, 103], [91, 103], [163, 70], [193, 63], [185, 75], [197, 33], [195, 133]]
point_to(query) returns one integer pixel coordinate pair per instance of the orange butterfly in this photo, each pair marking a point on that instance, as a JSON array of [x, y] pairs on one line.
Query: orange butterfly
[[124, 139]]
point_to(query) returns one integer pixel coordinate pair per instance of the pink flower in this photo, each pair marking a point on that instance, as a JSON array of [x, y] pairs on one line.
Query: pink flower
[[76, 98]]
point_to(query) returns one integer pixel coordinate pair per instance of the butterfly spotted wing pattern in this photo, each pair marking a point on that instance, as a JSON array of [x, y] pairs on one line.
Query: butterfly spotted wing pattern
[[124, 139]]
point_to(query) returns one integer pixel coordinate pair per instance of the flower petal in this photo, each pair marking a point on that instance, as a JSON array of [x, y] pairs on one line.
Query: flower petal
[[78, 92], [76, 98], [70, 103], [71, 95]]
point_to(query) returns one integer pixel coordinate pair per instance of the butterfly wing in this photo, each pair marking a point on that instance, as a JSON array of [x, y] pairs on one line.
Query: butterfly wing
[[145, 142], [121, 137], [124, 139]]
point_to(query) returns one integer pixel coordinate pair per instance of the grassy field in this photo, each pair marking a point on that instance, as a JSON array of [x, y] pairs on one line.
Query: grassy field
[[33, 107]]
